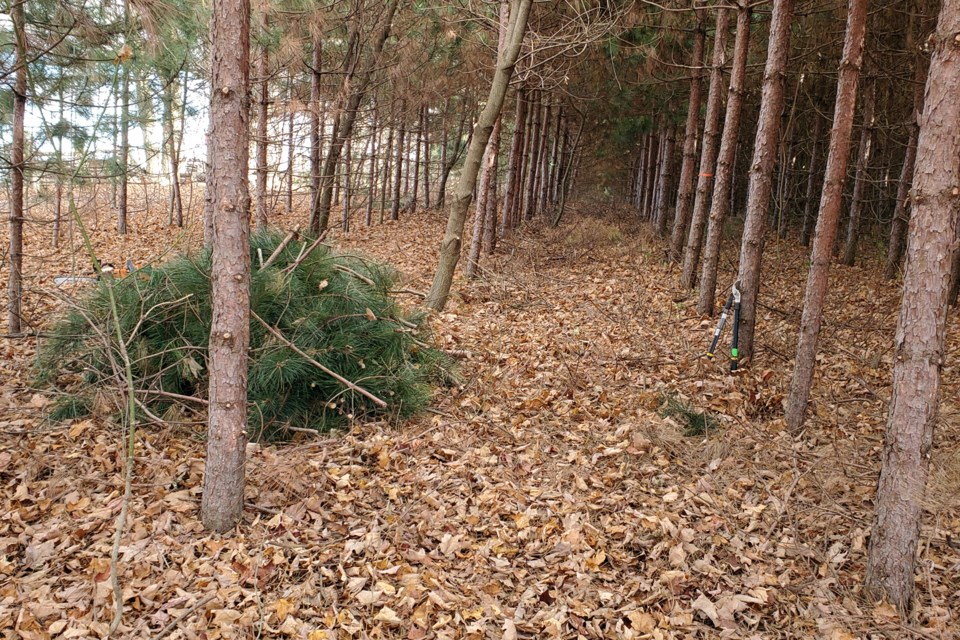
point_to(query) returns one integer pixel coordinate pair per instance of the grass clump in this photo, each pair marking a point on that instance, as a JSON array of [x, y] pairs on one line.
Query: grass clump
[[593, 233], [70, 406], [335, 308], [695, 423]]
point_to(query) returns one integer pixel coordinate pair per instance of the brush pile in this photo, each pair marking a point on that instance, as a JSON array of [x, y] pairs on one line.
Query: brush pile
[[327, 341]]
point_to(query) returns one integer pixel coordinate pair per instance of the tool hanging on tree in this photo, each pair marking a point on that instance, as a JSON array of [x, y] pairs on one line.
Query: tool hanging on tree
[[733, 300]]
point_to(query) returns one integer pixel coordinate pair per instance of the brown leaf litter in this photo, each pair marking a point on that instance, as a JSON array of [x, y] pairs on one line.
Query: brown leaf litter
[[543, 498]]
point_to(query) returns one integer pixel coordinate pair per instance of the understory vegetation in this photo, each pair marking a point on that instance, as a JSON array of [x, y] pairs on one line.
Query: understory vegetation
[[315, 313]]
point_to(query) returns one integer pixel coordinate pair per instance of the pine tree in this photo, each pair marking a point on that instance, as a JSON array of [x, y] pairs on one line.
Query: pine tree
[[921, 326], [222, 505]]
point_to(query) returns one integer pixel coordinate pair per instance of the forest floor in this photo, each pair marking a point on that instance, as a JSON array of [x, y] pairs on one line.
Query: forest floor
[[545, 497]]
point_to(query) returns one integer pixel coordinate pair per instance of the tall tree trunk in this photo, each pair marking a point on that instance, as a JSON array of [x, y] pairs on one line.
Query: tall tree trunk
[[173, 156], [123, 164], [115, 131], [523, 178], [555, 158], [263, 101], [290, 147], [426, 156], [346, 191], [386, 183], [761, 171], [222, 504], [812, 173], [650, 173], [449, 160], [514, 166], [542, 159], [522, 164], [445, 140], [480, 211], [921, 327], [316, 128], [666, 183], [708, 156], [376, 133], [860, 180], [830, 203], [398, 169], [452, 238], [417, 143], [15, 279], [726, 161], [681, 218], [490, 219], [530, 159], [637, 181], [568, 155], [781, 203], [167, 143], [901, 214], [353, 91], [145, 119], [954, 294], [652, 194], [488, 172], [406, 163], [61, 169]]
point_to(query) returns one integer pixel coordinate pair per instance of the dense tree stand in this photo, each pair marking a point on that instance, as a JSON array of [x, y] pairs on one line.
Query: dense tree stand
[[453, 236], [536, 431]]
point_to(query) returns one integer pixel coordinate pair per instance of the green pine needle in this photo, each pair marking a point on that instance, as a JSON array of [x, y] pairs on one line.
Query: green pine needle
[[696, 423], [326, 306]]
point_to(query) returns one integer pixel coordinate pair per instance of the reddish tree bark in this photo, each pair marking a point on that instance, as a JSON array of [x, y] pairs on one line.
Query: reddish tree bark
[[346, 192], [812, 170], [554, 162], [726, 159], [665, 183], [761, 172], [530, 159], [263, 101], [830, 203], [417, 143], [426, 156], [921, 327], [316, 128], [515, 165], [860, 180], [398, 169], [488, 171], [222, 504], [543, 161], [901, 213], [708, 155], [681, 218], [15, 279], [637, 173], [652, 174], [374, 175]]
